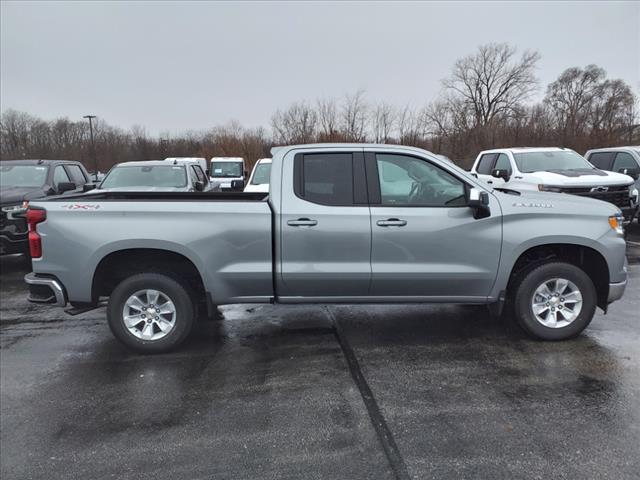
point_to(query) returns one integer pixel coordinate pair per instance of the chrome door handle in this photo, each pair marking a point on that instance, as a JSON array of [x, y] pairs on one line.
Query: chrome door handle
[[302, 222], [391, 222]]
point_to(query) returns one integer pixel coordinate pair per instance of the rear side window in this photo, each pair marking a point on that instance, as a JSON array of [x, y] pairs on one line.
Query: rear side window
[[503, 163], [624, 160], [76, 174], [485, 163], [324, 178], [601, 160]]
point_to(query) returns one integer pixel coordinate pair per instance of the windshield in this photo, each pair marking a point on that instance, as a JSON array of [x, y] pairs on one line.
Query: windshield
[[226, 169], [529, 162], [23, 175], [146, 176], [262, 175]]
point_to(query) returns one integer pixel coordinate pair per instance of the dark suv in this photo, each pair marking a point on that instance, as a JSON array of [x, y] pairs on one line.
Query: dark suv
[[24, 180]]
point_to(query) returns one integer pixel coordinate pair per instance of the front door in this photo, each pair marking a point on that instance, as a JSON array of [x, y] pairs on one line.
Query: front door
[[425, 241], [325, 227]]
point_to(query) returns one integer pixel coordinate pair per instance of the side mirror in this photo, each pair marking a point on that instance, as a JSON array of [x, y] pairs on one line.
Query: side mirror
[[65, 187], [632, 172], [199, 186], [237, 185], [478, 201], [87, 187], [501, 173], [245, 174]]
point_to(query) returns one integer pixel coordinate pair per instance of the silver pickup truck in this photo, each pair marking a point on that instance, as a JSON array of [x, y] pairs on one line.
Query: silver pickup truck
[[342, 223]]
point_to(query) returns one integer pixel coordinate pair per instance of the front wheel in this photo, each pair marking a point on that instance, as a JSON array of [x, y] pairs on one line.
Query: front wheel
[[555, 301], [150, 313]]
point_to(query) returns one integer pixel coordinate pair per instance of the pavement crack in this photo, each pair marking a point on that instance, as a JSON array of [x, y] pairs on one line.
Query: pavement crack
[[389, 446]]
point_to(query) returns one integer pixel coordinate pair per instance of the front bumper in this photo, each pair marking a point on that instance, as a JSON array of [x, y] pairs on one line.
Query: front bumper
[[616, 290], [629, 213], [47, 290]]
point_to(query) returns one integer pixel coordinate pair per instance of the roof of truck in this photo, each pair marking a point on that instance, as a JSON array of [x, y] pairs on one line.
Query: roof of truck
[[348, 146], [152, 163], [39, 161], [526, 149], [227, 159], [615, 149]]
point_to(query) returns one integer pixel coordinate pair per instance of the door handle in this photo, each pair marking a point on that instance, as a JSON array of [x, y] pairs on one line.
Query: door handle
[[490, 181], [391, 222], [302, 222]]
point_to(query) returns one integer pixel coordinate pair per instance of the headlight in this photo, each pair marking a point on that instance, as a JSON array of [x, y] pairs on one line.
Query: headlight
[[634, 195], [549, 188], [616, 222]]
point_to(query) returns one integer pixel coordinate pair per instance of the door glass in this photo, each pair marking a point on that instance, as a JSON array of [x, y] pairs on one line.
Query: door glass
[[76, 174], [502, 163], [484, 166], [624, 160], [601, 160], [59, 175], [411, 181], [327, 178]]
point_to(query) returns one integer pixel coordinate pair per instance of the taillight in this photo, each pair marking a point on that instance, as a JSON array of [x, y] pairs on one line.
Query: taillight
[[34, 217]]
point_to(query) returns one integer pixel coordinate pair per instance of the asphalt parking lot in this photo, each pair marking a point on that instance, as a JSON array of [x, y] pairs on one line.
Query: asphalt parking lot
[[309, 392]]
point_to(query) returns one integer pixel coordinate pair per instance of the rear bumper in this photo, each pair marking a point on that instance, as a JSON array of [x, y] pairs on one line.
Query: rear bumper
[[47, 290], [616, 290]]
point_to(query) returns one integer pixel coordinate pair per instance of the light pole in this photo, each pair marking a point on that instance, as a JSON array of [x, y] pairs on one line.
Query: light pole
[[93, 146]]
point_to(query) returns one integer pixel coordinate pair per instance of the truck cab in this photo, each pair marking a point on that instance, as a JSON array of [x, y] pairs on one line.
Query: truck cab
[[557, 170], [228, 172]]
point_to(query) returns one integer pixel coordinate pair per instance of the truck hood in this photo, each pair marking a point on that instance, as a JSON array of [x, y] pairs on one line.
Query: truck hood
[[553, 203], [578, 178], [16, 195]]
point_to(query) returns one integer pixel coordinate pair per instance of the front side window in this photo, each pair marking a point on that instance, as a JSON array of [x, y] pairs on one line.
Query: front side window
[[262, 175], [200, 174], [503, 163], [529, 162], [59, 175], [485, 164], [76, 174], [325, 178], [23, 175], [624, 160], [170, 176], [412, 181], [226, 169]]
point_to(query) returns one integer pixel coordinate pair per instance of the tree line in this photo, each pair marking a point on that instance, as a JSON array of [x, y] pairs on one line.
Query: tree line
[[485, 102]]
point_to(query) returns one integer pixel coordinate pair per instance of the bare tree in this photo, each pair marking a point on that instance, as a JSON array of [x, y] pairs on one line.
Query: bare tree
[[354, 117], [296, 124], [327, 119], [493, 82], [383, 119]]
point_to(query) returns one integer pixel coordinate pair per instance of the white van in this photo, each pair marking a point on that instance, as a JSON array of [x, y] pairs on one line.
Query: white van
[[260, 176], [226, 170]]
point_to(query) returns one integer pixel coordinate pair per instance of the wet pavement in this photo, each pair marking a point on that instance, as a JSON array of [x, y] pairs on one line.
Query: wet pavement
[[280, 392]]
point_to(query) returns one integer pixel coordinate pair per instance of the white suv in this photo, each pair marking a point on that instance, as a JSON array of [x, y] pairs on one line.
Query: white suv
[[558, 170]]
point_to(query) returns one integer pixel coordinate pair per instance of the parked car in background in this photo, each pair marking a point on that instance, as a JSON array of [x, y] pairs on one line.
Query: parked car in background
[[624, 160], [25, 180], [342, 223], [156, 175], [229, 172], [558, 170], [260, 176]]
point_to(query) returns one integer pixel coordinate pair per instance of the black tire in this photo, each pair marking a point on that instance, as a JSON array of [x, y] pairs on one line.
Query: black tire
[[525, 290], [184, 312]]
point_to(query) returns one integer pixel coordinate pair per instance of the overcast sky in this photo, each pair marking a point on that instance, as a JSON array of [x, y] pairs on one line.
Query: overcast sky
[[180, 66]]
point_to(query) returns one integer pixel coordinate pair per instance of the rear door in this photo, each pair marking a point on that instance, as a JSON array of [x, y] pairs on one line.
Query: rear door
[[325, 227], [425, 242]]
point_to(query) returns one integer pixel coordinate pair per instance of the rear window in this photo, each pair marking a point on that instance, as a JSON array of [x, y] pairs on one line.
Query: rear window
[[170, 176], [325, 178]]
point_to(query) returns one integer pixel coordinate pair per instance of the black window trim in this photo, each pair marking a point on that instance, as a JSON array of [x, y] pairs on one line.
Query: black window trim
[[358, 178], [373, 181]]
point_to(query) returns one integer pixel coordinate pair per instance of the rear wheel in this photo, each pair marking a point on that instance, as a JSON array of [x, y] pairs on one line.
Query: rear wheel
[[150, 313], [555, 301]]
